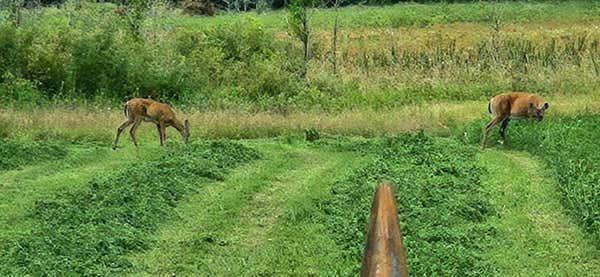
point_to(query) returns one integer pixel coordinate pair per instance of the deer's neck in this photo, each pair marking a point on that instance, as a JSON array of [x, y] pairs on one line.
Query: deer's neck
[[178, 125]]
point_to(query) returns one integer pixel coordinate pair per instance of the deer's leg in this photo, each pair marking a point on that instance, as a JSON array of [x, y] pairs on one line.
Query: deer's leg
[[163, 135], [160, 137], [503, 128], [487, 129], [133, 129], [119, 131]]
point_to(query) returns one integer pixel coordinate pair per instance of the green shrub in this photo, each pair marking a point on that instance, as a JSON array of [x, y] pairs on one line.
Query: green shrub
[[19, 92], [87, 52], [198, 7], [8, 50], [90, 231]]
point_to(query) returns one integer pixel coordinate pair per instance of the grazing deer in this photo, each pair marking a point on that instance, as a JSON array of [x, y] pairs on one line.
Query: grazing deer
[[384, 254], [140, 109], [515, 105]]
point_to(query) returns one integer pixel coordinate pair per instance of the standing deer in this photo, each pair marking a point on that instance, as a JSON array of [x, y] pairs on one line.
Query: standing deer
[[140, 109], [515, 105]]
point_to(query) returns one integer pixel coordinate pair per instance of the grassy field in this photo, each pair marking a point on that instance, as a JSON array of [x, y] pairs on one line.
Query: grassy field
[[386, 57], [250, 195], [97, 124], [286, 206]]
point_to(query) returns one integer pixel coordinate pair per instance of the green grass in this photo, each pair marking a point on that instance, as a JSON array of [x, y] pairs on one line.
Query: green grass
[[568, 146], [89, 230], [22, 187], [442, 207], [24, 153], [535, 237], [300, 208], [387, 57], [255, 222], [414, 14]]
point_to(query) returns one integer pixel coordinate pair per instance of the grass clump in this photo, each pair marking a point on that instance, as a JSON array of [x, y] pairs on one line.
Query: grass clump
[[443, 209], [89, 231], [569, 146], [15, 153]]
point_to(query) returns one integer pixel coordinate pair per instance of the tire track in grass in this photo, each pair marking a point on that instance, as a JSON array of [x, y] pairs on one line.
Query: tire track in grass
[[298, 243], [227, 229], [536, 237], [208, 218]]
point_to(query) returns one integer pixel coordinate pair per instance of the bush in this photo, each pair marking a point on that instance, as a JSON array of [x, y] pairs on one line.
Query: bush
[[198, 7], [19, 92]]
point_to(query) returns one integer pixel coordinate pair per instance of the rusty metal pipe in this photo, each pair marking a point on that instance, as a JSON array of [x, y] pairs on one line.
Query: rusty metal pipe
[[384, 253]]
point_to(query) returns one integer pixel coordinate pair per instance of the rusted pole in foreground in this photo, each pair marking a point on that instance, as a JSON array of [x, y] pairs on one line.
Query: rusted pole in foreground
[[384, 253]]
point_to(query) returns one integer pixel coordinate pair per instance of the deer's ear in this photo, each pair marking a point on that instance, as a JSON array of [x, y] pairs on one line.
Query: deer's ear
[[546, 105]]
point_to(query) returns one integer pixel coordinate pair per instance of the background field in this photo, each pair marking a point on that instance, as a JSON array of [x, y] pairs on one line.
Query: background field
[[250, 195], [387, 56]]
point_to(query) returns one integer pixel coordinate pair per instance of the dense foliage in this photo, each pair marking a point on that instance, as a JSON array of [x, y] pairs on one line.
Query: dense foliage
[[569, 145], [92, 52], [442, 206], [89, 231]]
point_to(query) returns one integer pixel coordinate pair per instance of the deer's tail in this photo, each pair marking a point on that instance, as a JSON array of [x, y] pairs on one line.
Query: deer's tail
[[490, 106]]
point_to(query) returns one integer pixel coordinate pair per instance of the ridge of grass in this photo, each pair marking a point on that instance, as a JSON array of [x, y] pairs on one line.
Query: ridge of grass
[[250, 224], [16, 153], [88, 231], [20, 188], [442, 207]]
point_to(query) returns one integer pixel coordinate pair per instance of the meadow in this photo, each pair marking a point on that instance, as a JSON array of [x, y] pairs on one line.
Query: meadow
[[255, 193]]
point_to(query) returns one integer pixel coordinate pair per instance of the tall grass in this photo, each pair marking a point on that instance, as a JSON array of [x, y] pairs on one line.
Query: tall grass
[[80, 123], [247, 62]]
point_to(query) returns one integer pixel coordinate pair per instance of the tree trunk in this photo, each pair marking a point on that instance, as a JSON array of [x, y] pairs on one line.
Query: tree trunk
[[335, 33]]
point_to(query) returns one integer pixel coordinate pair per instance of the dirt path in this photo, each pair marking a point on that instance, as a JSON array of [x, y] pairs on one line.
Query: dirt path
[[535, 236]]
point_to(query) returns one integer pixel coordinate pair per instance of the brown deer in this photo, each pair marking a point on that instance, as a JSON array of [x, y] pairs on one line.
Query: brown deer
[[384, 254], [515, 105], [139, 109]]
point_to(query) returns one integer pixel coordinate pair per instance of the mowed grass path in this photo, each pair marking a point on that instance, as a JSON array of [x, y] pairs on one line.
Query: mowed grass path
[[535, 237], [246, 224], [261, 219]]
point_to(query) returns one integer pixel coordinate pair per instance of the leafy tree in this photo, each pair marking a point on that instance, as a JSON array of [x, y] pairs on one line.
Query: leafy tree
[[298, 20]]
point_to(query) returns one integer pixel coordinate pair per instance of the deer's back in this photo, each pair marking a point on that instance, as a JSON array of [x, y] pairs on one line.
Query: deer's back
[[150, 110], [514, 104]]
